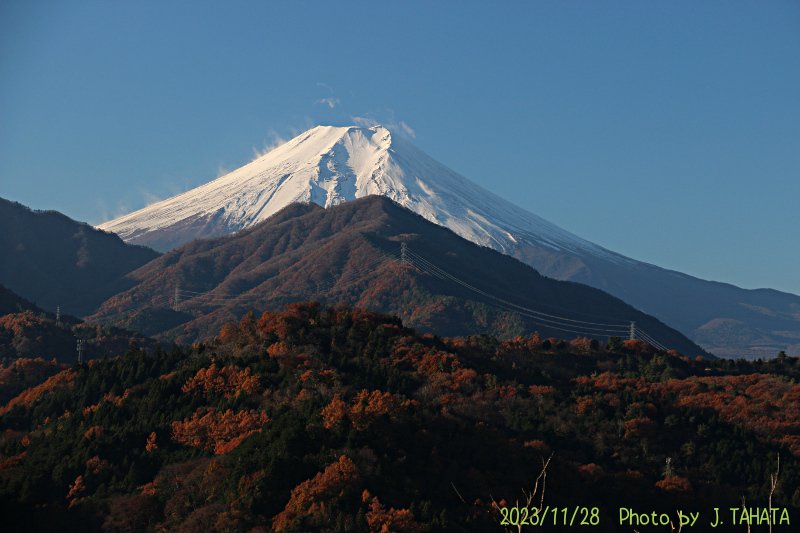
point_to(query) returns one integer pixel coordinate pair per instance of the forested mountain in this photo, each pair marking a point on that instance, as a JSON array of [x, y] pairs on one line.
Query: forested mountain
[[330, 165], [54, 261], [352, 253], [343, 420]]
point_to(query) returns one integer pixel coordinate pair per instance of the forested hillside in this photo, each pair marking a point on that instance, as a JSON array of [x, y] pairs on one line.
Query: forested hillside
[[29, 332], [341, 419]]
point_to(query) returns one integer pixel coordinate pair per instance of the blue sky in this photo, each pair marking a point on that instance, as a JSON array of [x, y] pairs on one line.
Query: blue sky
[[665, 131]]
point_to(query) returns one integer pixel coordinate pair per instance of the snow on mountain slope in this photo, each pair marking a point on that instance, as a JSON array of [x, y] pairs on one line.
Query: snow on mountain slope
[[330, 165]]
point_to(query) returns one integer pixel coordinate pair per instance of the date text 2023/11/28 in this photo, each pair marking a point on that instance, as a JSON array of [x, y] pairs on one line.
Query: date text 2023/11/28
[[524, 516]]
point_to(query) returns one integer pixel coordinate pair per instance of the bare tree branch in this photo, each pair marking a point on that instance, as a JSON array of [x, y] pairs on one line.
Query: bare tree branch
[[528, 498], [773, 481]]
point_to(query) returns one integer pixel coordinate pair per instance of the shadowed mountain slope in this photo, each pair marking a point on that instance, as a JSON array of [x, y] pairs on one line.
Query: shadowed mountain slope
[[55, 261]]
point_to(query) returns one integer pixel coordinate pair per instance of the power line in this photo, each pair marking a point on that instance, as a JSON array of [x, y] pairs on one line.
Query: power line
[[548, 318], [537, 320], [496, 290], [620, 327], [651, 341]]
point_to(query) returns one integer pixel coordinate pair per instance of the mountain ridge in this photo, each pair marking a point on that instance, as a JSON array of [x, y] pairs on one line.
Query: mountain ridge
[[349, 253]]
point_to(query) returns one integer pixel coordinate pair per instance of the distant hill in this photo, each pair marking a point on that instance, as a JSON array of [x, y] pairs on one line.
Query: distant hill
[[352, 253], [52, 260], [27, 332], [10, 302]]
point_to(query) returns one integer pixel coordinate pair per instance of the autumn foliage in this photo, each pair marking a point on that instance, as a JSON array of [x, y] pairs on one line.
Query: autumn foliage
[[59, 381], [675, 483], [765, 404], [25, 373], [226, 381], [309, 496], [344, 420], [217, 431], [382, 520], [367, 407]]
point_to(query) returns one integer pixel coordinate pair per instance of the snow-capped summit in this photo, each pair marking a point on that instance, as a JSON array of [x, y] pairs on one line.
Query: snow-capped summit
[[330, 165]]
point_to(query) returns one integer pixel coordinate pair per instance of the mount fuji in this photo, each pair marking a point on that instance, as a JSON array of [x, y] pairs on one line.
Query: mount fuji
[[330, 165]]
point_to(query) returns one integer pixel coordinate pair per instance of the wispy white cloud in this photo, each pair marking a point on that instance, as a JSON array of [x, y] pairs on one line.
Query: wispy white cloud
[[401, 127], [172, 189], [149, 198], [221, 171], [269, 145], [121, 210], [364, 122], [330, 102], [102, 208], [320, 84], [107, 213], [407, 129]]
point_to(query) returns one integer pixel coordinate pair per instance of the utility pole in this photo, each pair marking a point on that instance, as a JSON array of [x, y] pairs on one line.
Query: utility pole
[[403, 248], [81, 347], [176, 300], [58, 314], [633, 330]]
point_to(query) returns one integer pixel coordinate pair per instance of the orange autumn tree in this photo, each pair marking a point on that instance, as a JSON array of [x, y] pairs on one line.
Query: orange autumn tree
[[227, 381], [335, 411], [97, 465], [367, 407], [641, 427], [53, 383], [76, 491], [221, 432], [309, 496], [245, 332], [381, 520], [11, 462], [520, 345], [151, 442], [292, 318]]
